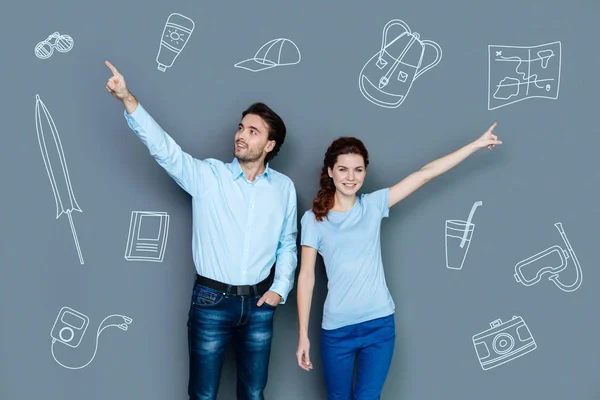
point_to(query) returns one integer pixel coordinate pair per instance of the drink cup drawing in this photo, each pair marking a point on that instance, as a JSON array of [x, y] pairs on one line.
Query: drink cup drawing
[[458, 237], [176, 33], [386, 79]]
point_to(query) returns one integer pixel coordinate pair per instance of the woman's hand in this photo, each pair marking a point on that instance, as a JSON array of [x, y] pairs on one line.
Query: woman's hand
[[488, 139], [303, 354]]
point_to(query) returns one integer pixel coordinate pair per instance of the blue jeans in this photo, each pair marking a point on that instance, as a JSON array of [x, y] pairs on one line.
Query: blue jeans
[[373, 343], [214, 320]]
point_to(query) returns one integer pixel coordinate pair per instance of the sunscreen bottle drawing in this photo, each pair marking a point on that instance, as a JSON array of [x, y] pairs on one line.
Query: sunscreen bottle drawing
[[176, 33]]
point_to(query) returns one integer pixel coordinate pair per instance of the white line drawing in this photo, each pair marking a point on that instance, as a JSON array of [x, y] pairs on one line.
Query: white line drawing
[[45, 48], [458, 237], [531, 270], [517, 73], [148, 233], [70, 326], [387, 77], [175, 36], [503, 342], [274, 53], [53, 154]]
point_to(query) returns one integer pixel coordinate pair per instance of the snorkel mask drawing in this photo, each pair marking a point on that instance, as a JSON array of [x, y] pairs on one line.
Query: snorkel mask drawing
[[387, 77], [531, 270]]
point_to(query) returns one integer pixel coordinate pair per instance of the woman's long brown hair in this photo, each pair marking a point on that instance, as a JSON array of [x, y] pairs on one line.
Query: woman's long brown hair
[[325, 197]]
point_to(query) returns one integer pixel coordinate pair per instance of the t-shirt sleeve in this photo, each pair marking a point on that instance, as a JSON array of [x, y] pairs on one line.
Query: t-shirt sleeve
[[379, 200], [310, 235]]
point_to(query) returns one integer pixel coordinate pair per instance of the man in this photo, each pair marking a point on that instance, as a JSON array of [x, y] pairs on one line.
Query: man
[[244, 221]]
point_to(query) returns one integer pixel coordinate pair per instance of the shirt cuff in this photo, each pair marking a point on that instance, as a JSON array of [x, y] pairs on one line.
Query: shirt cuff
[[137, 116], [280, 287]]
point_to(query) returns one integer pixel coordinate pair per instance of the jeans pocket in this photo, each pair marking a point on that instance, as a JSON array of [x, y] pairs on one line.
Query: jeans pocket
[[265, 305], [206, 297], [268, 306]]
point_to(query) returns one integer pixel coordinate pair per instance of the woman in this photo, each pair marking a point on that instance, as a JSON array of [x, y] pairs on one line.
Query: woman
[[358, 318]]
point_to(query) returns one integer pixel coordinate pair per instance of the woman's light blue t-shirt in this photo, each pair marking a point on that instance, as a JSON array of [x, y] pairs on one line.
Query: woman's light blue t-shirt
[[349, 243]]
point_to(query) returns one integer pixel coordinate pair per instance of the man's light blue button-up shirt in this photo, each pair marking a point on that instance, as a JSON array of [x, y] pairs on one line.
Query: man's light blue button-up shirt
[[240, 228]]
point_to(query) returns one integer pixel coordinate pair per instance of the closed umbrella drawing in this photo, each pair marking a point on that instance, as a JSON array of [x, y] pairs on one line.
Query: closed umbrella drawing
[[52, 154]]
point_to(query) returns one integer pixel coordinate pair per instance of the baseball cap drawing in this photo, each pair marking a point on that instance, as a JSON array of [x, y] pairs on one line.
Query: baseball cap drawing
[[272, 54]]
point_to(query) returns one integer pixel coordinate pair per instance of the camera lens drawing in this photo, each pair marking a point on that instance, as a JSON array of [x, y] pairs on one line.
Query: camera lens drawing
[[458, 236], [70, 327], [503, 342], [176, 34], [552, 261], [53, 155]]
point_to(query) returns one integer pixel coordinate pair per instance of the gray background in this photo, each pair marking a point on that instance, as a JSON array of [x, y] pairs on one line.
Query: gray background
[[545, 172]]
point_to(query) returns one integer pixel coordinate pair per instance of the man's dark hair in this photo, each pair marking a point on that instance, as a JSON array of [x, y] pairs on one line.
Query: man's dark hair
[[274, 122]]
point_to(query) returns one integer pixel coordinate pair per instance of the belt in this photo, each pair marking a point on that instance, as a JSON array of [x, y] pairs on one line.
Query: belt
[[238, 290]]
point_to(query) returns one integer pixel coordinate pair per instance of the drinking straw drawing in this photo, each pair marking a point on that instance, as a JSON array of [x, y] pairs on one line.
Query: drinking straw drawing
[[464, 238], [62, 187], [458, 236]]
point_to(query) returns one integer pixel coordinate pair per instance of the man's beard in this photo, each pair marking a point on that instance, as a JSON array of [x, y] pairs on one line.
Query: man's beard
[[250, 156]]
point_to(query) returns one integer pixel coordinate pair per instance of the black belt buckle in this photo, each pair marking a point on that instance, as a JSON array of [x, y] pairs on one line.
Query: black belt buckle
[[242, 290]]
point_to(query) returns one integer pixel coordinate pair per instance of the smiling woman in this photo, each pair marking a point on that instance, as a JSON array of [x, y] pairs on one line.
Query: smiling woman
[[345, 229], [344, 170], [348, 175]]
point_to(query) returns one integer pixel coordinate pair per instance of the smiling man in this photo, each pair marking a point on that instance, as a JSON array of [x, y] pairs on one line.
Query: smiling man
[[243, 242]]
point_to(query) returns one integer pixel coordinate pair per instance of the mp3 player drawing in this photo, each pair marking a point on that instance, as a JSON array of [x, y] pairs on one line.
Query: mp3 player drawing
[[147, 239], [503, 342], [70, 327]]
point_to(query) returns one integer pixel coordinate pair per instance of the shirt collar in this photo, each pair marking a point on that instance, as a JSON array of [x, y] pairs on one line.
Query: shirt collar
[[236, 170]]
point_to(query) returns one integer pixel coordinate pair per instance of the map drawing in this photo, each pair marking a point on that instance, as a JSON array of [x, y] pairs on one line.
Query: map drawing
[[518, 73]]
